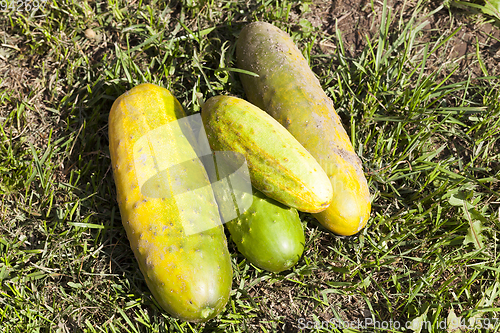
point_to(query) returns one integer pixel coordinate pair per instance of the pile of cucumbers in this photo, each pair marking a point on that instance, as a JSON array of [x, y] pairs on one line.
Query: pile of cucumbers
[[290, 140]]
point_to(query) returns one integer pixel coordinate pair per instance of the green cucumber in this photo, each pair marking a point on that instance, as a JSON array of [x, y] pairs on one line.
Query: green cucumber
[[268, 234], [279, 165], [289, 91], [167, 205]]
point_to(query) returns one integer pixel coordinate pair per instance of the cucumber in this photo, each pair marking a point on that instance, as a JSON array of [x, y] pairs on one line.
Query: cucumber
[[289, 91], [268, 234], [278, 164], [167, 205]]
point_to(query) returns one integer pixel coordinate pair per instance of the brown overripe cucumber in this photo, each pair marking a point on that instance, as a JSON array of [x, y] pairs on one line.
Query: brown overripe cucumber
[[279, 166], [167, 205], [289, 91]]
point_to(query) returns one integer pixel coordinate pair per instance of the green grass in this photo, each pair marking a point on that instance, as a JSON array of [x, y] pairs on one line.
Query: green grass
[[426, 131]]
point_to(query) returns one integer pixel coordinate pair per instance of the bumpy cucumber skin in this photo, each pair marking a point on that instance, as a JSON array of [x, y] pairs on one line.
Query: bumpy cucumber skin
[[189, 276], [268, 234], [279, 166], [290, 92]]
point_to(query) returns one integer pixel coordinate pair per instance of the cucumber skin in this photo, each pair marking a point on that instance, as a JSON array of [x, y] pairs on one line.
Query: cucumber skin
[[290, 92], [268, 234], [278, 164], [189, 276]]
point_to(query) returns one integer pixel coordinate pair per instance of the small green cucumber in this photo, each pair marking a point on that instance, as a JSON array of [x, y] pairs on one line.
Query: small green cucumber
[[268, 234]]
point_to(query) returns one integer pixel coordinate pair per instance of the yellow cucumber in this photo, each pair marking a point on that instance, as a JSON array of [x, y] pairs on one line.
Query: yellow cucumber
[[279, 166], [167, 205], [289, 91]]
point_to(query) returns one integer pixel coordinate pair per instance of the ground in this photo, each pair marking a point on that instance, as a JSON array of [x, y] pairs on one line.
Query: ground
[[423, 116]]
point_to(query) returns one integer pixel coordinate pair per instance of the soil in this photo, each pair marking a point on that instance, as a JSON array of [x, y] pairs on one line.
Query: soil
[[358, 19], [355, 20]]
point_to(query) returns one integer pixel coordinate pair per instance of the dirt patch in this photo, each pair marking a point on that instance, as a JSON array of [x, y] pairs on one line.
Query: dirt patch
[[358, 19]]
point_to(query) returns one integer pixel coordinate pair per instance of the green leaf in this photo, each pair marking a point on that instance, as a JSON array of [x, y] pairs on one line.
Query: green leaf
[[419, 322], [74, 285], [492, 7], [474, 235], [306, 26], [457, 199], [477, 215], [457, 196], [453, 322]]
